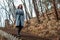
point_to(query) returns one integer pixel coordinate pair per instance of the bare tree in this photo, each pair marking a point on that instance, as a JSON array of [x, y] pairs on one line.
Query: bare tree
[[26, 10], [36, 10], [30, 8], [11, 9], [55, 8]]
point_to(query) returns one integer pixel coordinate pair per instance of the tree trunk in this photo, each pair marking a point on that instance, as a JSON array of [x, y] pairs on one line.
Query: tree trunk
[[36, 10], [55, 9], [30, 8]]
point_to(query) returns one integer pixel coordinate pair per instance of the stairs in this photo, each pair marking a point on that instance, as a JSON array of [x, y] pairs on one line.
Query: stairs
[[8, 36]]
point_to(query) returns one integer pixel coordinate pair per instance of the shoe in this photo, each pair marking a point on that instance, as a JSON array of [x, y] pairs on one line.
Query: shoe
[[18, 35]]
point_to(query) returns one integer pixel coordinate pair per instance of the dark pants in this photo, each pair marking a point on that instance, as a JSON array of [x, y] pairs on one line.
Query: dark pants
[[19, 29]]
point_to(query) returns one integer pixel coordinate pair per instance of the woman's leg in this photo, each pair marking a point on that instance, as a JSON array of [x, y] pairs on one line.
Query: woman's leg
[[19, 29]]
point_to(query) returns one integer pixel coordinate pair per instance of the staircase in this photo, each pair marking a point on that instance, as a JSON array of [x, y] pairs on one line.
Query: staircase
[[8, 36]]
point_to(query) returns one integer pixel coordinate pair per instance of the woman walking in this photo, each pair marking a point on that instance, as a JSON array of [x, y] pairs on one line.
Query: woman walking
[[19, 18]]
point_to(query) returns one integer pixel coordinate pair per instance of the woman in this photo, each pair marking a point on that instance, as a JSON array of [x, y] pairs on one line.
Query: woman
[[19, 18]]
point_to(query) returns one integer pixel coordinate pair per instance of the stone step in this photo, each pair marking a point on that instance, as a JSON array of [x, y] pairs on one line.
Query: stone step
[[8, 36]]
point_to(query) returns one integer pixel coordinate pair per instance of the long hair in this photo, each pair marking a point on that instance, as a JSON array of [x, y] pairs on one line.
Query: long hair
[[20, 6]]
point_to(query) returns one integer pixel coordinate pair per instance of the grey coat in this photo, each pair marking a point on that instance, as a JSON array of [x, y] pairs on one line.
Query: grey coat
[[19, 17]]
